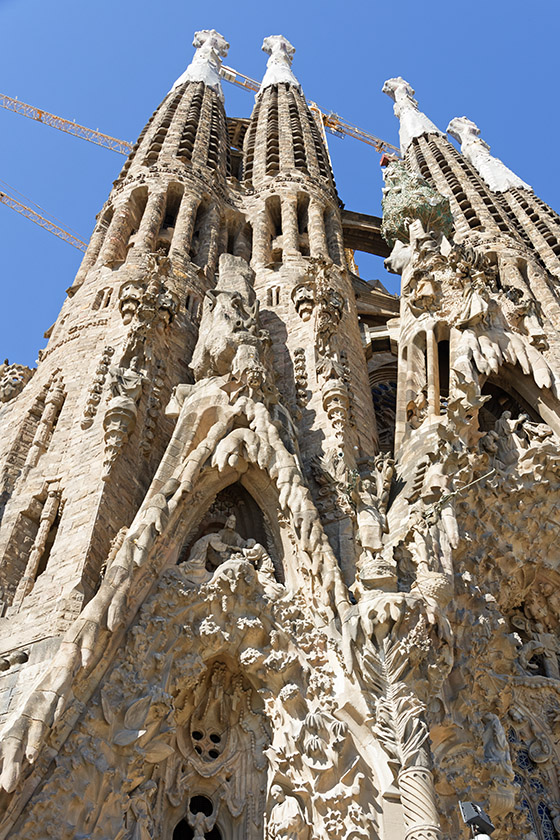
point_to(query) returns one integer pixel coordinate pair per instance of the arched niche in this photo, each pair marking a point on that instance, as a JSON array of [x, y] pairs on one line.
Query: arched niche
[[512, 390], [235, 500], [281, 542]]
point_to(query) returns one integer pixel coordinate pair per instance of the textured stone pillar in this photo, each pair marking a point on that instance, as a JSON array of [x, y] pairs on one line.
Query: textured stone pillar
[[91, 255], [421, 819], [261, 238], [150, 225], [334, 238], [117, 235], [53, 404], [48, 515], [184, 225], [242, 243], [290, 230], [211, 235], [316, 226], [432, 372]]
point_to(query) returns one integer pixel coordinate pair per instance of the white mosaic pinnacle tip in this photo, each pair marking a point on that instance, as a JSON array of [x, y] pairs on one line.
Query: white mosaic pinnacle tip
[[413, 122], [205, 67], [279, 66], [496, 174]]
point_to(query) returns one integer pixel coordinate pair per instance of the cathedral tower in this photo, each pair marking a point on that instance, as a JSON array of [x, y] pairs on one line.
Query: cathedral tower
[[237, 604]]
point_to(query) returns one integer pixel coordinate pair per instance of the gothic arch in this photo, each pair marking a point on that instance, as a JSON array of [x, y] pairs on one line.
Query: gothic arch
[[520, 393]]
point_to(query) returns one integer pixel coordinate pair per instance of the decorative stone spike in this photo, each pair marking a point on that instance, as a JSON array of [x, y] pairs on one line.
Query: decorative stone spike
[[413, 122], [211, 47], [279, 66], [496, 174]]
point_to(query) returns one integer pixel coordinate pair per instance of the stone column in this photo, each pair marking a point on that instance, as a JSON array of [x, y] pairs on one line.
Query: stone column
[[261, 237], [117, 234], [421, 819], [432, 372], [402, 396], [316, 225], [90, 257], [53, 404], [152, 218], [211, 235], [242, 243], [48, 515], [184, 225], [334, 238], [290, 230]]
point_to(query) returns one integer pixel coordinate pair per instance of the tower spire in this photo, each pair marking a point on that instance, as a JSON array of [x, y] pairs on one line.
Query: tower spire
[[211, 47], [279, 66], [496, 174], [413, 122]]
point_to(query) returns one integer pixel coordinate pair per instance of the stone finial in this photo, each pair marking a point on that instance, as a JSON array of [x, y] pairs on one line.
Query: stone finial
[[279, 66], [413, 122], [496, 174], [211, 47]]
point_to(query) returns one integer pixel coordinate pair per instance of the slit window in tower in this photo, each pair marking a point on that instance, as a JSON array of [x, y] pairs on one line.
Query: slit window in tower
[[273, 296], [249, 145], [195, 247], [274, 212], [172, 204], [443, 368], [272, 136], [303, 223], [217, 131], [332, 238], [102, 299], [137, 206], [188, 137], [160, 135], [300, 158]]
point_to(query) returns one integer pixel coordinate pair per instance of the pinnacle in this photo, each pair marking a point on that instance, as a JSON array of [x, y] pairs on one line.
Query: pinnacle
[[279, 66], [413, 122], [211, 47], [496, 174]]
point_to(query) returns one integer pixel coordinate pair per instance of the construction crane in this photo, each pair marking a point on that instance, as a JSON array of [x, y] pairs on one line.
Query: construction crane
[[40, 220], [332, 122], [69, 127]]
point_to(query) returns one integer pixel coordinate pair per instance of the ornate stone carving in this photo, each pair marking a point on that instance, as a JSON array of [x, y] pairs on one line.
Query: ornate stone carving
[[413, 123], [279, 65], [496, 174], [13, 379], [205, 67], [96, 389], [122, 409], [407, 197]]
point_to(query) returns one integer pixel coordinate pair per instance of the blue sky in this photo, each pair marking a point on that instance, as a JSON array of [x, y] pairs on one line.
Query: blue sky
[[108, 64]]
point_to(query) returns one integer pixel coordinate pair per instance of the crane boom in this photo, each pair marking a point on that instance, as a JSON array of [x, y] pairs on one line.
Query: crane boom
[[16, 205], [237, 78], [122, 146], [332, 122]]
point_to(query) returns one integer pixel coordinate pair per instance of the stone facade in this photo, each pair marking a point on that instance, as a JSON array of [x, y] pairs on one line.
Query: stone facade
[[278, 551]]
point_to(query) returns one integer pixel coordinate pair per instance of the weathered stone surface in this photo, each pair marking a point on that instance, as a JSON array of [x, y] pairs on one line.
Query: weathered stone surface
[[225, 612]]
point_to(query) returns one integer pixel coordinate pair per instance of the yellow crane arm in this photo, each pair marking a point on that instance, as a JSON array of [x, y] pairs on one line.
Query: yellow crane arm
[[77, 130], [237, 78], [16, 205]]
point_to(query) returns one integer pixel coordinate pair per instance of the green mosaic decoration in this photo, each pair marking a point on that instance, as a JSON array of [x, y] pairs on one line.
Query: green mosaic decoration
[[408, 197]]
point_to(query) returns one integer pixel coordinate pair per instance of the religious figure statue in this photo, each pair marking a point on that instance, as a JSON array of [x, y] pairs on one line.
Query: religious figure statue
[[287, 820], [213, 550]]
